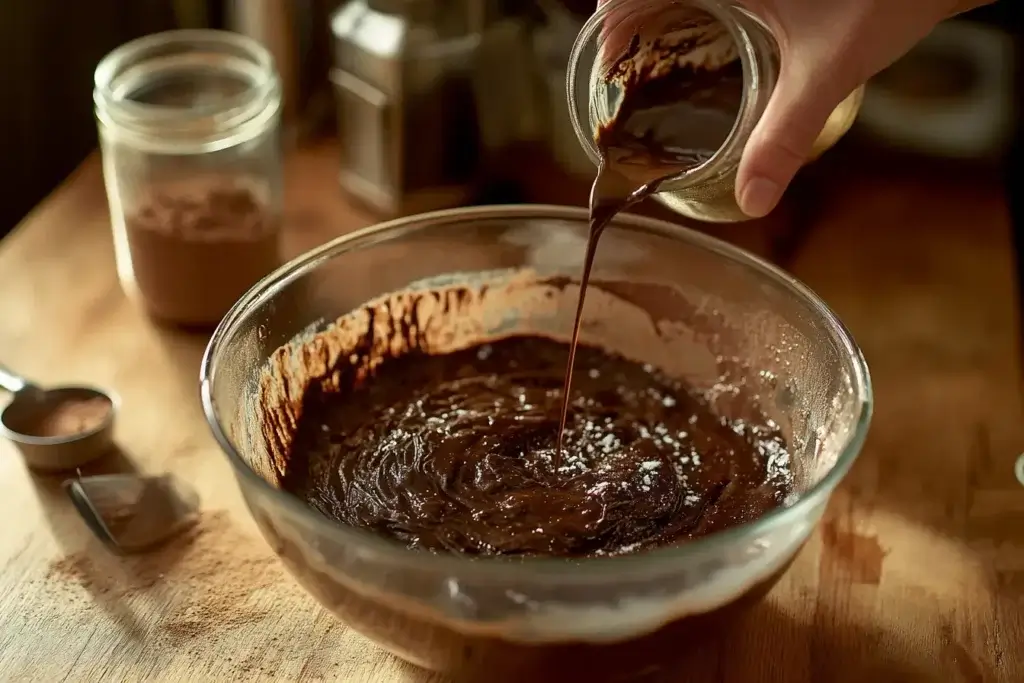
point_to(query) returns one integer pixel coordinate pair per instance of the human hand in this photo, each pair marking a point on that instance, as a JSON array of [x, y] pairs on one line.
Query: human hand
[[828, 49]]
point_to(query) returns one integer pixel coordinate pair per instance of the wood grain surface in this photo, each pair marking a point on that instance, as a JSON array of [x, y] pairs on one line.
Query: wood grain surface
[[917, 573]]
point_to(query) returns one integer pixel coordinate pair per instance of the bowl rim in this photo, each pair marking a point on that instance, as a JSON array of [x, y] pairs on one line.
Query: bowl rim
[[494, 567]]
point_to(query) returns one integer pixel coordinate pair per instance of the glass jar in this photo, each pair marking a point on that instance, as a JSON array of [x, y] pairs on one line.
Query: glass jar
[[707, 191], [189, 133]]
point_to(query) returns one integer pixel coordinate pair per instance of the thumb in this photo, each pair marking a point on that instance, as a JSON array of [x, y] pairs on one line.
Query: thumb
[[803, 99]]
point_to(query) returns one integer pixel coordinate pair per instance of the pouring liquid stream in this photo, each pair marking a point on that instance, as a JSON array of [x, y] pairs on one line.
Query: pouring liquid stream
[[633, 166], [611, 193], [664, 126]]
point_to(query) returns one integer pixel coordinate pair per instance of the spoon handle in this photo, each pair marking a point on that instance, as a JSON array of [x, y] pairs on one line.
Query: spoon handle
[[11, 382]]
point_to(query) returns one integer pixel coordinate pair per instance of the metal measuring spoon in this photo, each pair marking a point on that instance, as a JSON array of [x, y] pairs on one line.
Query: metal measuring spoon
[[131, 513], [60, 428]]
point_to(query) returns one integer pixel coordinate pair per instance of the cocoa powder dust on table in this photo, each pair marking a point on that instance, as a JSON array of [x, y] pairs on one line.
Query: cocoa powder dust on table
[[204, 581]]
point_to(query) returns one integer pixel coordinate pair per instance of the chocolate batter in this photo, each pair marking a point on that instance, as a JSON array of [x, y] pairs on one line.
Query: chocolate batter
[[455, 453], [412, 417]]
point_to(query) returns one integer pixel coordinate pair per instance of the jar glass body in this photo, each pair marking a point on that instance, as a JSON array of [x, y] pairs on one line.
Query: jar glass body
[[706, 192], [189, 133]]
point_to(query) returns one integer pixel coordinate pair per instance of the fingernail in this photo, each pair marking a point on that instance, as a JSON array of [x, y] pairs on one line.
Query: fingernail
[[759, 197]]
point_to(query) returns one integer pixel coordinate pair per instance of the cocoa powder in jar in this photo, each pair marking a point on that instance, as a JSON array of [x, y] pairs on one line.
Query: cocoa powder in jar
[[196, 248]]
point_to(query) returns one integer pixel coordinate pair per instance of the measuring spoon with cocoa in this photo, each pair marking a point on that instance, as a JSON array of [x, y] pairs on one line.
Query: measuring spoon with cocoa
[[59, 428]]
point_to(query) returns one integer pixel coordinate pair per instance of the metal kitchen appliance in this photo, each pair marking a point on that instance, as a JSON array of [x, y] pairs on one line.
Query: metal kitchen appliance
[[403, 79]]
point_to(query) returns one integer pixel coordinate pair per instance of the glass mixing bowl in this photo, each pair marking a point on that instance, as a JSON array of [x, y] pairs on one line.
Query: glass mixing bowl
[[692, 305]]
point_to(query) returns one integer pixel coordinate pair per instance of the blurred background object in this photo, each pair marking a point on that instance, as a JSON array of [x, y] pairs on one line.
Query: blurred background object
[[295, 33], [408, 110], [441, 103], [951, 96]]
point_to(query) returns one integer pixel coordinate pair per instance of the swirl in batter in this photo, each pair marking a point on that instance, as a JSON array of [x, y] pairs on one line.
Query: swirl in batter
[[455, 453]]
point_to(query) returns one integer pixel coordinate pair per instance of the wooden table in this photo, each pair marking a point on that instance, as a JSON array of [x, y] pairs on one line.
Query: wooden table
[[917, 573]]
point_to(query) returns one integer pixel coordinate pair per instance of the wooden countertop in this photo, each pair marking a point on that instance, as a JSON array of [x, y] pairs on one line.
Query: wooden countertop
[[916, 574]]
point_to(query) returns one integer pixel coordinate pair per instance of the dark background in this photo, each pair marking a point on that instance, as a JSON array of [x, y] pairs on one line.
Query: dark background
[[49, 49]]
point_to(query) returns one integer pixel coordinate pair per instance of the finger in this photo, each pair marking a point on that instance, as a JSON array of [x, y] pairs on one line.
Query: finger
[[803, 99]]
